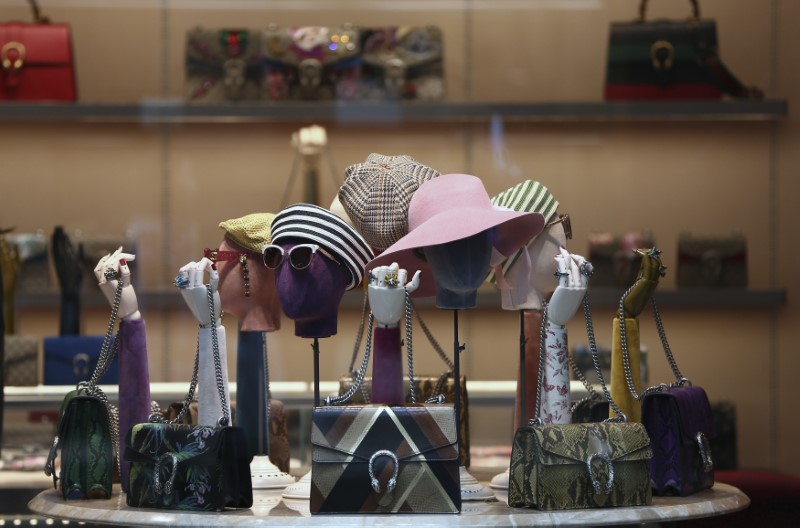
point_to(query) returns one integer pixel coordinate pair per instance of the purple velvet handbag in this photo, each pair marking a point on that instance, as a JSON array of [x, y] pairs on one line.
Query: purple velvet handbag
[[680, 425], [678, 419]]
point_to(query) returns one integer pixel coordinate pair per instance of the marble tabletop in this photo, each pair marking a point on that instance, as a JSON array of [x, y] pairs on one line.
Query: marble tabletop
[[269, 509]]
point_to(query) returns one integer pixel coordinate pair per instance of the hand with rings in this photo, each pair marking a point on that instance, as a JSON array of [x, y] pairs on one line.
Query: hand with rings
[[111, 269], [387, 292], [650, 270], [573, 278], [194, 292]]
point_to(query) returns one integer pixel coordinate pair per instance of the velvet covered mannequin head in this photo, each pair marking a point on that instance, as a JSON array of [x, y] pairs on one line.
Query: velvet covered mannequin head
[[311, 296], [261, 311], [459, 268]]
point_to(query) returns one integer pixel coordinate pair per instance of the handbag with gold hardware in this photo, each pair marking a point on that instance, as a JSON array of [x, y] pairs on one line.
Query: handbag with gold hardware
[[668, 59], [36, 60], [586, 465]]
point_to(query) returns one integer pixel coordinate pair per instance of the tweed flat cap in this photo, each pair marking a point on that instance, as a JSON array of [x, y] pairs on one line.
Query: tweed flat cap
[[376, 194], [312, 223]]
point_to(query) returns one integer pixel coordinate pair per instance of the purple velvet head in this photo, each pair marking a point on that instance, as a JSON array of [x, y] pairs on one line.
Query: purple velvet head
[[311, 296]]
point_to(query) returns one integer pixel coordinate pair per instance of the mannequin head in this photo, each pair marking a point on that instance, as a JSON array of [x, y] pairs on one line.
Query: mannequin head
[[530, 281], [260, 311], [311, 296], [459, 268]]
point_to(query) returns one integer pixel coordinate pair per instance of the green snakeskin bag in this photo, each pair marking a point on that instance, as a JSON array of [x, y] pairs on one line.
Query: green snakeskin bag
[[587, 465], [87, 451], [87, 431]]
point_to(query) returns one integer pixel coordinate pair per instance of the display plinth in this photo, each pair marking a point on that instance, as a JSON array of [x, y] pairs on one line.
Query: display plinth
[[270, 510]]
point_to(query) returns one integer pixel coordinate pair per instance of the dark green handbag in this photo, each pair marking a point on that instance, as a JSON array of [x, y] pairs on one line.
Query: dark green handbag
[[586, 465], [87, 450], [87, 431]]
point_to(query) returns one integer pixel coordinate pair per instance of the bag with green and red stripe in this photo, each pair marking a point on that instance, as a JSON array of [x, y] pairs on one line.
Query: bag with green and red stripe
[[669, 60]]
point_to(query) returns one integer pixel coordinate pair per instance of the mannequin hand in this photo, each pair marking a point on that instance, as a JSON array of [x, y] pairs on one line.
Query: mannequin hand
[[650, 271], [116, 265], [387, 292], [193, 290], [573, 279]]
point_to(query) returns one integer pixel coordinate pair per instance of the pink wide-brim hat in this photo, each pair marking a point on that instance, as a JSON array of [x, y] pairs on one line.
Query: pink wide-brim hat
[[449, 208]]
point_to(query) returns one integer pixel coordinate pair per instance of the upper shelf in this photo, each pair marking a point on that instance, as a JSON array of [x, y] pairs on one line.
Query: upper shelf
[[393, 112]]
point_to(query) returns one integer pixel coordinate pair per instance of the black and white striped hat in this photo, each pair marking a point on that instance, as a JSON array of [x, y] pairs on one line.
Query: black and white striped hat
[[315, 224]]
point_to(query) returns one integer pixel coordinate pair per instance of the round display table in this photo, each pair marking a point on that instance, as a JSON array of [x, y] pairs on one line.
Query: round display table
[[270, 509]]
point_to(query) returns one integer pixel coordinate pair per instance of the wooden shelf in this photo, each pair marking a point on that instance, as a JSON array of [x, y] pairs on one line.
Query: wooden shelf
[[146, 112]]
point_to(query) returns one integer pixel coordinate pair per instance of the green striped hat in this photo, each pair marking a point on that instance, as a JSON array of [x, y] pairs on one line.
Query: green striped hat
[[529, 197]]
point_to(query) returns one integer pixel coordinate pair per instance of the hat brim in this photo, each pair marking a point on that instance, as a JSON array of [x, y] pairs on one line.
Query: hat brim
[[514, 230]]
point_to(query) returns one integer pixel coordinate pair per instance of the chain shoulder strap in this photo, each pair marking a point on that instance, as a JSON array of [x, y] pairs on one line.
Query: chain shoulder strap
[[359, 376], [587, 316], [626, 360], [595, 360], [225, 419], [108, 352], [410, 351]]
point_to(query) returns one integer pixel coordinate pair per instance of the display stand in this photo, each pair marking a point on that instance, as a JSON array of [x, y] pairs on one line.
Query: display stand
[[269, 509]]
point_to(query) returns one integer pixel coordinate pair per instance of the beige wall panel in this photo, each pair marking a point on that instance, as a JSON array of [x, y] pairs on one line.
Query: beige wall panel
[[713, 183], [379, 13], [99, 179], [538, 54]]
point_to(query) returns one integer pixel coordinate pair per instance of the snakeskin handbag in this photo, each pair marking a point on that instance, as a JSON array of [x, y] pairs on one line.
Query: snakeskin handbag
[[87, 431], [175, 466], [384, 458], [680, 422], [587, 465]]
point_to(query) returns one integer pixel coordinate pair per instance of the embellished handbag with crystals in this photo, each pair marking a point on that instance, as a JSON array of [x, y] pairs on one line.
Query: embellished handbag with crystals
[[587, 465], [190, 467], [222, 65], [403, 62], [680, 422], [311, 62], [384, 458], [87, 431]]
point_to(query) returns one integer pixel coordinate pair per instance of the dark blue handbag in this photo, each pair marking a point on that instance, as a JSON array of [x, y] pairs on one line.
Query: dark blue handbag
[[69, 360]]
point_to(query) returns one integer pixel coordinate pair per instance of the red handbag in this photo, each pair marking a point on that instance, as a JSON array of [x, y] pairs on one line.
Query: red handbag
[[36, 61]]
